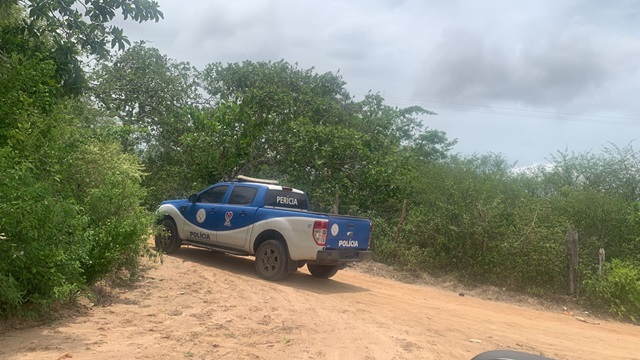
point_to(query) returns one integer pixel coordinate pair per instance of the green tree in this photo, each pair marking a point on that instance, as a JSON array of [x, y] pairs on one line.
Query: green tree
[[147, 93], [69, 204], [69, 199], [70, 30], [153, 101], [274, 119], [85, 24]]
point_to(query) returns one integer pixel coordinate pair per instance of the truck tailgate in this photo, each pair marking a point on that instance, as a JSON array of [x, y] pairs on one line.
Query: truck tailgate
[[346, 232]]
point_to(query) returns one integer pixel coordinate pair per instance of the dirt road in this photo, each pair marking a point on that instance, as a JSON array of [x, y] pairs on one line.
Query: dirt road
[[202, 305]]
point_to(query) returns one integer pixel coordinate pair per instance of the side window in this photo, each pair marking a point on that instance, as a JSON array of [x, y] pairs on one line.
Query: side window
[[242, 195], [214, 195]]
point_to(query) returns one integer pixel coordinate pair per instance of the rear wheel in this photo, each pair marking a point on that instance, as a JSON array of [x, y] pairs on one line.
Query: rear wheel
[[323, 271], [168, 240], [271, 260]]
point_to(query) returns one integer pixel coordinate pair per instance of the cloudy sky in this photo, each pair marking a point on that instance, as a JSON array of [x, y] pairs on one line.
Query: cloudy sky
[[522, 78]]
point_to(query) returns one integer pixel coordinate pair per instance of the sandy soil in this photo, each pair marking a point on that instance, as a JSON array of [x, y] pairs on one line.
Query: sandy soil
[[202, 305]]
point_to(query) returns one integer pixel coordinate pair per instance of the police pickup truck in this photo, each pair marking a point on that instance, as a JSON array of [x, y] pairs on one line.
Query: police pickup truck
[[258, 217]]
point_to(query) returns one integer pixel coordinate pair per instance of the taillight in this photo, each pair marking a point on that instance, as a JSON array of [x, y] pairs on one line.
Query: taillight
[[370, 232], [320, 232]]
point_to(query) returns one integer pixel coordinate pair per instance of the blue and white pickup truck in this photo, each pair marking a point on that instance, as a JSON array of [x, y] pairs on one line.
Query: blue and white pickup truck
[[271, 222]]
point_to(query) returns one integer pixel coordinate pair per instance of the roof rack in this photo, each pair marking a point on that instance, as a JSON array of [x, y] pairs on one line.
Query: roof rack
[[243, 178]]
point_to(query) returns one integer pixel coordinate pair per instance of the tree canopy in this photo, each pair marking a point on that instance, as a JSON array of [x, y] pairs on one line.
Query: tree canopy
[[84, 25], [66, 31]]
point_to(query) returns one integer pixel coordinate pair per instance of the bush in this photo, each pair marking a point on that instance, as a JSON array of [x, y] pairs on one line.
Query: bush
[[618, 290], [106, 186], [69, 204], [65, 233]]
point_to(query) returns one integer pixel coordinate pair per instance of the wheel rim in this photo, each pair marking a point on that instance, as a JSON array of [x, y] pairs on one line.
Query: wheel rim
[[269, 260], [165, 238]]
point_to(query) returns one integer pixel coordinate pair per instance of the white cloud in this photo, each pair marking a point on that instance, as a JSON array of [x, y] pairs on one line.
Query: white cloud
[[567, 56]]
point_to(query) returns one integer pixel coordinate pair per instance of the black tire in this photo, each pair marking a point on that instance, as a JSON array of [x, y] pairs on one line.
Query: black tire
[[168, 240], [271, 260], [322, 271], [508, 355]]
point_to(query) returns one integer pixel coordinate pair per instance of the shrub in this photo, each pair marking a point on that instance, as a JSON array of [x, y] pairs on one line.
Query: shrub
[[69, 204], [618, 290]]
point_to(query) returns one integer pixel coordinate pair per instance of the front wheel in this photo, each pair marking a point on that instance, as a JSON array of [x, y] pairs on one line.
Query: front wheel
[[323, 271], [168, 240], [271, 260]]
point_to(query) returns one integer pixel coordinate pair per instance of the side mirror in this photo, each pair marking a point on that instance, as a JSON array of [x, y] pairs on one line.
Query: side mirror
[[193, 198]]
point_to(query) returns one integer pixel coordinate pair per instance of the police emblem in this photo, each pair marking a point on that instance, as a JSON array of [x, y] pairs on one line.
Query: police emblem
[[201, 215]]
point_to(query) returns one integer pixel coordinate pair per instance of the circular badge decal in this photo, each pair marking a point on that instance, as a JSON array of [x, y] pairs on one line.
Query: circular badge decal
[[201, 215], [335, 229]]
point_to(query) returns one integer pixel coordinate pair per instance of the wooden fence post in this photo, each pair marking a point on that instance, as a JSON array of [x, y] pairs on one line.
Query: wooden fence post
[[573, 284], [401, 223], [601, 259]]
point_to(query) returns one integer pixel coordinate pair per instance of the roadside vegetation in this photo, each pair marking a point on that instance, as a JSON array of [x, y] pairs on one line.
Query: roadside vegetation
[[86, 153]]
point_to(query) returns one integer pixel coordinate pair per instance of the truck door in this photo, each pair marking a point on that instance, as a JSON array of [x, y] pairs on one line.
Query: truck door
[[201, 216], [235, 218]]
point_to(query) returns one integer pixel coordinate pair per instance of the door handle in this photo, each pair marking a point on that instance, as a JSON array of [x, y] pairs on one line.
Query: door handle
[[243, 213], [212, 211]]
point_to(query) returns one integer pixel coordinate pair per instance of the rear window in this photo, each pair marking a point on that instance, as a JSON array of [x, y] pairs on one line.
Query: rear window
[[286, 199], [242, 195]]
